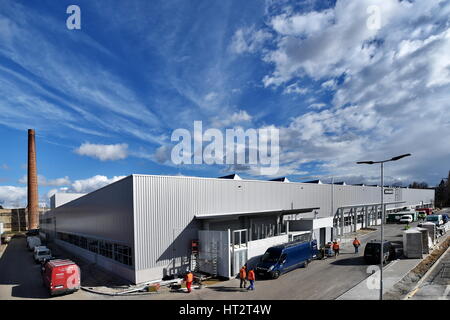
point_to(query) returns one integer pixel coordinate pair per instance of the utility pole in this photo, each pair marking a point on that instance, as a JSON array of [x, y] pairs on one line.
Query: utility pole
[[382, 212]]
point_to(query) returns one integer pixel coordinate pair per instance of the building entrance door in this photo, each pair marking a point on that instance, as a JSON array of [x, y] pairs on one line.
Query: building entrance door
[[239, 245], [322, 237]]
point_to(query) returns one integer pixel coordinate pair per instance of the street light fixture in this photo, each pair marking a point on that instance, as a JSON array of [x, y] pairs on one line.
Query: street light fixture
[[382, 211]]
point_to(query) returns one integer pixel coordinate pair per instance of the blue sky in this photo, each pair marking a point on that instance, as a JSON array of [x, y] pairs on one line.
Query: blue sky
[[104, 100]]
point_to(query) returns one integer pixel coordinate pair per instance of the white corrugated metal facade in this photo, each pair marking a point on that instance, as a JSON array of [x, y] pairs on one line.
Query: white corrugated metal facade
[[155, 215]]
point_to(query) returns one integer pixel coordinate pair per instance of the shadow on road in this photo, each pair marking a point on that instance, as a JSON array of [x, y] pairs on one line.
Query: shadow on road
[[228, 289], [19, 270], [354, 261]]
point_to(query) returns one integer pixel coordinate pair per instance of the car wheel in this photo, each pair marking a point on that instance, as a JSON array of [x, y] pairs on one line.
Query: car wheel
[[276, 274]]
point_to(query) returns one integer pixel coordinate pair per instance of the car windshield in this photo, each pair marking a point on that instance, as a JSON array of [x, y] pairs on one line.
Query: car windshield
[[432, 218], [44, 253], [375, 248], [271, 255]]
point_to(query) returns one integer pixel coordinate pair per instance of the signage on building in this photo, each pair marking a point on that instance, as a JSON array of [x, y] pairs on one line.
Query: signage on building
[[388, 191]]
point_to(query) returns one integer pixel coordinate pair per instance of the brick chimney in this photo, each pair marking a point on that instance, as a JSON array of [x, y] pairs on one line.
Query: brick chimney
[[33, 207]]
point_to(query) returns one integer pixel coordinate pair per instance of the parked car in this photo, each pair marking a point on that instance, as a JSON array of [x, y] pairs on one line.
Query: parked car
[[32, 232], [406, 219], [38, 248], [372, 252], [284, 258], [32, 242], [5, 238], [445, 218], [42, 253], [61, 276], [436, 219]]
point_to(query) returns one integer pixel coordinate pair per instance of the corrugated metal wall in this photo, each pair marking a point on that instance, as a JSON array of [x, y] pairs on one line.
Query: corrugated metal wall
[[106, 213], [165, 207]]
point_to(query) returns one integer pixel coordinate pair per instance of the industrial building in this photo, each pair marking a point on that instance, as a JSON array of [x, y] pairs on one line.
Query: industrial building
[[145, 227]]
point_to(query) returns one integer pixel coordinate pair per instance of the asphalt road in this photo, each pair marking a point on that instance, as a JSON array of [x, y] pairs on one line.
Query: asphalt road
[[321, 280], [327, 279], [20, 276]]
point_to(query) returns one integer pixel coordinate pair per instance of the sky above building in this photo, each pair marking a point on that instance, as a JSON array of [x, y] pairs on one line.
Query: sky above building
[[343, 81]]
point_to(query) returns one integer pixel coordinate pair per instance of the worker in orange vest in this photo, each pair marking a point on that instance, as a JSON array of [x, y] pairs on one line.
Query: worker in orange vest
[[243, 276], [251, 278], [189, 279], [356, 244], [336, 248]]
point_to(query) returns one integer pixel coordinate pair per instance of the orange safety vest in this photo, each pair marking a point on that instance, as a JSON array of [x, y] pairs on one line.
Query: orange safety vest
[[189, 277], [336, 246], [251, 275], [356, 242], [242, 273]]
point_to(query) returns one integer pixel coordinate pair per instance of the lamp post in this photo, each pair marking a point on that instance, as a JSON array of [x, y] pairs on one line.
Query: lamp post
[[382, 211]]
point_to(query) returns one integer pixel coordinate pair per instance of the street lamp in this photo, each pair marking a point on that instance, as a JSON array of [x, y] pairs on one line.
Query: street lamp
[[382, 211]]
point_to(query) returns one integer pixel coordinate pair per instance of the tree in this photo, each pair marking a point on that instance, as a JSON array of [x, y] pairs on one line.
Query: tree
[[443, 192], [418, 185]]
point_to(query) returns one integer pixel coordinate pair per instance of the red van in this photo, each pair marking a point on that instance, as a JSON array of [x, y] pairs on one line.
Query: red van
[[61, 276]]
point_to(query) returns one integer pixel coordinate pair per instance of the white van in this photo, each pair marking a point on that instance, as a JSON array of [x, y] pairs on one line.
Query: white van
[[33, 242], [42, 253]]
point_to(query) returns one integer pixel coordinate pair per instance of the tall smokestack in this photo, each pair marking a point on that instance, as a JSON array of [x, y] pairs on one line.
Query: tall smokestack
[[33, 207]]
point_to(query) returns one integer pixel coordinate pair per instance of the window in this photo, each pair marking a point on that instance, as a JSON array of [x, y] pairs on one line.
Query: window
[[83, 243], [106, 249], [122, 254], [118, 252], [93, 245]]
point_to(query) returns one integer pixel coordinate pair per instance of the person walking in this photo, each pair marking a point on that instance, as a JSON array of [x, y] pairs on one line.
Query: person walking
[[336, 248], [251, 278], [356, 244], [243, 277], [189, 278]]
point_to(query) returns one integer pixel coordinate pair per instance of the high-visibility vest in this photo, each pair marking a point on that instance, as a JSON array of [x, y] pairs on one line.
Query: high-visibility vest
[[356, 242], [251, 275], [242, 273], [335, 246], [189, 277]]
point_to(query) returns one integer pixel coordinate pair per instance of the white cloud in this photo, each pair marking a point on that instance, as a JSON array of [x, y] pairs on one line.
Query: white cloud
[[12, 197], [42, 181], [210, 96], [303, 24], [163, 154], [235, 118], [295, 88], [93, 183], [330, 84], [248, 40], [317, 106], [393, 79], [103, 152]]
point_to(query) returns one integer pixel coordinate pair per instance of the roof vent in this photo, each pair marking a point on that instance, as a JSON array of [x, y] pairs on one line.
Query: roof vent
[[231, 177], [282, 179]]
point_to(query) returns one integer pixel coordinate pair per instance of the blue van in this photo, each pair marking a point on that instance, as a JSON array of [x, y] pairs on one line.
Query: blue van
[[286, 257]]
